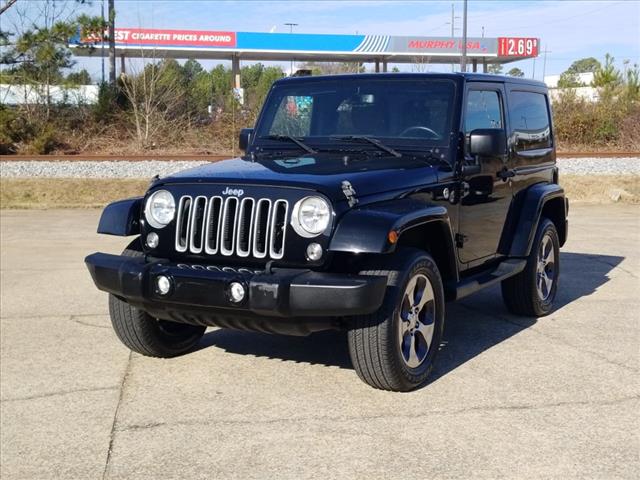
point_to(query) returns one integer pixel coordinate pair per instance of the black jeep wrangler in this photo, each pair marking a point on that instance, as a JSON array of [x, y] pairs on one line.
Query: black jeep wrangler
[[362, 202]]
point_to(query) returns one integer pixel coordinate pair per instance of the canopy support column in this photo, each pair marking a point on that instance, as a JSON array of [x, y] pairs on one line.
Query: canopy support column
[[384, 66], [377, 65], [484, 65], [475, 65], [123, 71], [235, 71]]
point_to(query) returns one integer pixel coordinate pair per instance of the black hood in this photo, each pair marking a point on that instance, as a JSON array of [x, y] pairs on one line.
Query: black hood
[[321, 172]]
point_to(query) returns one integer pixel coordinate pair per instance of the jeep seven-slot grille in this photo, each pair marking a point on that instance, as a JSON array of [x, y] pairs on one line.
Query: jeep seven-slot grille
[[232, 226]]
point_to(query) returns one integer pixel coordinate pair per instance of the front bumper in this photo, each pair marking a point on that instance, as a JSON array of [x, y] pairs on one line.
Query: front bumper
[[196, 288]]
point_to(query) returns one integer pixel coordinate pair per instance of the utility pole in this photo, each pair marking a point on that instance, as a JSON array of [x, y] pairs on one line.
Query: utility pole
[[533, 75], [453, 26], [463, 60], [544, 62], [102, 41], [291, 25], [112, 43]]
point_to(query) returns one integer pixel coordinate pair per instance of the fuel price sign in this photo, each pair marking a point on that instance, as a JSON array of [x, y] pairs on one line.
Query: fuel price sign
[[517, 47]]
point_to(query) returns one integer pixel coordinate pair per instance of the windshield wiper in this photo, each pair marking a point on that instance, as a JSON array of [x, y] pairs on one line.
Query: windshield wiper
[[372, 141], [293, 139]]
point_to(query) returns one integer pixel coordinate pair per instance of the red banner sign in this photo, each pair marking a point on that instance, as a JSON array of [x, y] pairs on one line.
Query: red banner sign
[[180, 38], [517, 47]]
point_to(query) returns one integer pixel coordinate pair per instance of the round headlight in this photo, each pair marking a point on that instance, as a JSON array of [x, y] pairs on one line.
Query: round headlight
[[311, 216], [160, 209]]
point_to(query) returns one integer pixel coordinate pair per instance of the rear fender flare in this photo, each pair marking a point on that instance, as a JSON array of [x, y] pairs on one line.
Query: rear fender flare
[[533, 205]]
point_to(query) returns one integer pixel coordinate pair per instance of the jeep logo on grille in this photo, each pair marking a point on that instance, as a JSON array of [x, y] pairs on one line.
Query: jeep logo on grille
[[238, 192]]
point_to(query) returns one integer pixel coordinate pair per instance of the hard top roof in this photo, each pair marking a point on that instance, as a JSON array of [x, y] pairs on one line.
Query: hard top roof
[[469, 77]]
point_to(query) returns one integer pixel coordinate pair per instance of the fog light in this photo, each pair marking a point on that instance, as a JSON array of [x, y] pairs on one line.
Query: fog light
[[153, 240], [314, 252], [163, 284], [236, 289]]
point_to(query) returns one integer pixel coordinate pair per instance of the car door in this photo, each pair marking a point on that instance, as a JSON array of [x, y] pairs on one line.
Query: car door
[[486, 188], [531, 141]]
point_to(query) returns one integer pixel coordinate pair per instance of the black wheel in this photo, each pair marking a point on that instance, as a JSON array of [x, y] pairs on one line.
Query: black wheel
[[146, 335], [533, 290], [395, 347]]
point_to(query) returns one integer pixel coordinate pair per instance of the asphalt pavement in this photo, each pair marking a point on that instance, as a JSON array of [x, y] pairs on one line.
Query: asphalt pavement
[[511, 397]]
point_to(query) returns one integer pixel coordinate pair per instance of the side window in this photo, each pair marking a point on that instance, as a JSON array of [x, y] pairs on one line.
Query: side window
[[293, 116], [483, 110], [529, 118]]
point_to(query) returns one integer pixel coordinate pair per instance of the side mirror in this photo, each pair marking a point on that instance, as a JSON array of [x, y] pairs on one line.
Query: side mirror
[[245, 138], [487, 142]]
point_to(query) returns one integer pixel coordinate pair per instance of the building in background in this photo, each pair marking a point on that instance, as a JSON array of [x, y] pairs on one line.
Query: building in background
[[585, 91]]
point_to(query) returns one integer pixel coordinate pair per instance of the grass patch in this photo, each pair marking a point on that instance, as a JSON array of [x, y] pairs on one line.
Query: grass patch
[[602, 188], [43, 193]]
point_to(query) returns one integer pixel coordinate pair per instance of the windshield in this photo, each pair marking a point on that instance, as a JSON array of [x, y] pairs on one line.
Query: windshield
[[416, 111]]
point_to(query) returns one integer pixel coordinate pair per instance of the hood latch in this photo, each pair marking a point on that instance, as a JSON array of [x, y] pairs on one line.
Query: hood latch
[[349, 193]]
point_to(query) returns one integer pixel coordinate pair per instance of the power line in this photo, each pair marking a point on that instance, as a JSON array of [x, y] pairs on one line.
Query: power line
[[7, 6], [565, 18]]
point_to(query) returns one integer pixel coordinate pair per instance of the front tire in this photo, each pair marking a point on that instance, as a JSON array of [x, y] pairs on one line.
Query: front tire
[[395, 347], [146, 335], [532, 291]]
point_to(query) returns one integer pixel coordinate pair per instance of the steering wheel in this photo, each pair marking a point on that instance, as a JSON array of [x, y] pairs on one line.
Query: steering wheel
[[420, 128]]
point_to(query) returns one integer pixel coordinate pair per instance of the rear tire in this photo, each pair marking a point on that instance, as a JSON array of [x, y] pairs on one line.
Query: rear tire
[[395, 347], [532, 291], [146, 335]]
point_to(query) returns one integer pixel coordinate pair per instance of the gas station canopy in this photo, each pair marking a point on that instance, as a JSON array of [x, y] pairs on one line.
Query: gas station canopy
[[202, 44]]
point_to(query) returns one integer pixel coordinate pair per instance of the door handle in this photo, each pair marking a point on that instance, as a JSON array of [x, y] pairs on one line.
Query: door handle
[[505, 174]]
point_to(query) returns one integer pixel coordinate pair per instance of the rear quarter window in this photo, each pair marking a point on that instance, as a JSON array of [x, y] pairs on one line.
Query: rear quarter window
[[529, 118]]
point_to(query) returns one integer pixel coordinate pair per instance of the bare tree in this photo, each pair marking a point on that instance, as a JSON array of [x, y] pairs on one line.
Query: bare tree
[[421, 64], [154, 100], [331, 68]]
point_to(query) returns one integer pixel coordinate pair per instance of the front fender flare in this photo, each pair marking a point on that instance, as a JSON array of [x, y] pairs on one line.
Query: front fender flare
[[121, 218], [366, 229]]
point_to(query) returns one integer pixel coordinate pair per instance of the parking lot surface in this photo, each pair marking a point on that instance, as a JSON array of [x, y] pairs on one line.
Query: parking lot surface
[[511, 397]]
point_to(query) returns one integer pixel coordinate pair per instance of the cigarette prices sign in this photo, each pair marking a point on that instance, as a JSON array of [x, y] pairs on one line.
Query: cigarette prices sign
[[517, 47], [174, 38]]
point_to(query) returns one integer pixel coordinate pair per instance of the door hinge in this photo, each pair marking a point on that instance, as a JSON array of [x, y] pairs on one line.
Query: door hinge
[[460, 239]]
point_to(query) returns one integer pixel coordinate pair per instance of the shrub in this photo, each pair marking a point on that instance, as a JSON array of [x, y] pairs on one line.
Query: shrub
[[594, 124], [45, 142]]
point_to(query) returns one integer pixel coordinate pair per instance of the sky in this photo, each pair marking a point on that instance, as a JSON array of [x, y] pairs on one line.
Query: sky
[[568, 29]]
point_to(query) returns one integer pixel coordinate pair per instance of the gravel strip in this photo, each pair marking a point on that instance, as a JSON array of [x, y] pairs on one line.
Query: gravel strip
[[103, 169], [599, 166], [147, 169]]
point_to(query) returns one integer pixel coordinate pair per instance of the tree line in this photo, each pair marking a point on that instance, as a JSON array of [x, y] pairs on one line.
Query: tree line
[[165, 105]]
